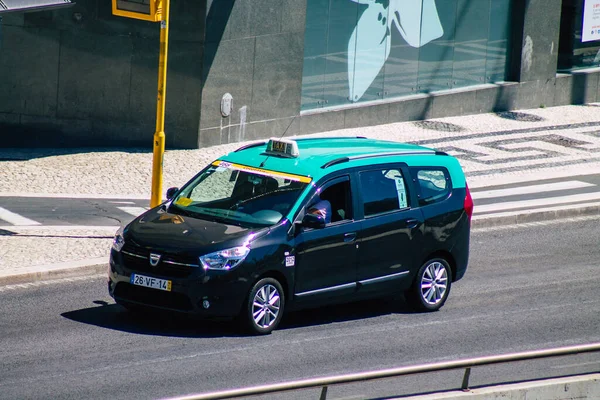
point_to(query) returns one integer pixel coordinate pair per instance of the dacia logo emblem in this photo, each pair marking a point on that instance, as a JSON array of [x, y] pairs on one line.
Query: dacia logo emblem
[[154, 259]]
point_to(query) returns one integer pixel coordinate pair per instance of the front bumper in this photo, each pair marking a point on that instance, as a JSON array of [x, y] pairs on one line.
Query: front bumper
[[191, 287]]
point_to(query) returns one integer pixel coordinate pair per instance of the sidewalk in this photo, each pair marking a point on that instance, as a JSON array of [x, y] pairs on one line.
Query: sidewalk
[[521, 147]]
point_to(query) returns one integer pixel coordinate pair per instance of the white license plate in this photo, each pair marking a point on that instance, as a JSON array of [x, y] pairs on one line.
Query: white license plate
[[147, 281]]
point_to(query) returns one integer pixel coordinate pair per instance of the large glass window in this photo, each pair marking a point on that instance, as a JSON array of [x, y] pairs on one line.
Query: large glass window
[[470, 42], [579, 44], [436, 51], [315, 55], [365, 50], [497, 43]]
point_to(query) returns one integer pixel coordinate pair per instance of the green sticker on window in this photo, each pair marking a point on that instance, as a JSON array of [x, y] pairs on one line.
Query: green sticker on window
[[402, 202]]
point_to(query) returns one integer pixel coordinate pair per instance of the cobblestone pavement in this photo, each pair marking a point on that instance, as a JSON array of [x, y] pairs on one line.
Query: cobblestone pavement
[[43, 246], [494, 149]]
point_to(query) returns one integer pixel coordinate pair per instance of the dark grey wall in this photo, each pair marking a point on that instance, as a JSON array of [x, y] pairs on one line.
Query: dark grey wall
[[254, 51], [82, 77], [535, 39], [67, 82]]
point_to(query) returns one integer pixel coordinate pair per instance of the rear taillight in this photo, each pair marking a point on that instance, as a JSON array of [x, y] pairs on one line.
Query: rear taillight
[[468, 203]]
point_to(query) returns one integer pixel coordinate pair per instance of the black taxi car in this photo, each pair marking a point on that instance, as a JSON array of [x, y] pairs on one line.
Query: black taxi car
[[288, 224]]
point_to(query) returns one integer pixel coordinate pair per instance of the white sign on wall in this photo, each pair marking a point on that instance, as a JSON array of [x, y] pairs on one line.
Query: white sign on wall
[[591, 21]]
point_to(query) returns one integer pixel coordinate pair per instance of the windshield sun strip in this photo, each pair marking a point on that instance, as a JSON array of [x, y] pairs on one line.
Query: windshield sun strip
[[265, 172]]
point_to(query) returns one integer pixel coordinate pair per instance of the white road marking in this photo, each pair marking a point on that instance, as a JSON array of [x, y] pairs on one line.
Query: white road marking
[[76, 196], [537, 210], [52, 282], [15, 219], [538, 223], [550, 187], [533, 174], [135, 211], [511, 205], [122, 202], [87, 228]]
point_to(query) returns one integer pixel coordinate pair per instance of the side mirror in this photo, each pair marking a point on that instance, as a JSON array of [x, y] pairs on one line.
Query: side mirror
[[171, 192], [313, 221]]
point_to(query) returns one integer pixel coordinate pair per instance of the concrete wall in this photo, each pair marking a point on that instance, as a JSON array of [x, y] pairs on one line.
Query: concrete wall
[[80, 76], [254, 50], [583, 387]]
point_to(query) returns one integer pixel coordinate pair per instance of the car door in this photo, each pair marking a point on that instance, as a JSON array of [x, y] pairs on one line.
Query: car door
[[391, 229], [326, 257]]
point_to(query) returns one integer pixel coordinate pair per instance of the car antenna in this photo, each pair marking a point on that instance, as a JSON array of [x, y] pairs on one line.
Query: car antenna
[[262, 164]]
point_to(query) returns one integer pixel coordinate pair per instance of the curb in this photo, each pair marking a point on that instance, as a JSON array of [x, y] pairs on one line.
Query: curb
[[71, 269], [543, 215]]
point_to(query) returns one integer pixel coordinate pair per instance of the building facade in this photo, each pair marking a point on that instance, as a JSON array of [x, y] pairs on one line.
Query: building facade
[[248, 69]]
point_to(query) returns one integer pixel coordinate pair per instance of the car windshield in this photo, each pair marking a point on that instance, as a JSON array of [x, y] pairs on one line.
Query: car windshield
[[238, 195]]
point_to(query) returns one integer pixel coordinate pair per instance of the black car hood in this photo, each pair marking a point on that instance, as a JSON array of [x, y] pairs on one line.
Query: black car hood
[[160, 230]]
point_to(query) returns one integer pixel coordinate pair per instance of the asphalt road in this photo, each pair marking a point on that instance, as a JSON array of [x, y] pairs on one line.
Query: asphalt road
[[526, 289], [74, 211]]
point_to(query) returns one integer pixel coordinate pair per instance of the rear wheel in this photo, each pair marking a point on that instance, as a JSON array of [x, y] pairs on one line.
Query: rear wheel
[[431, 286], [264, 306]]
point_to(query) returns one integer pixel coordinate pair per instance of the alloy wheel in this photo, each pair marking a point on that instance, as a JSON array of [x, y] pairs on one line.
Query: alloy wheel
[[266, 306], [434, 283]]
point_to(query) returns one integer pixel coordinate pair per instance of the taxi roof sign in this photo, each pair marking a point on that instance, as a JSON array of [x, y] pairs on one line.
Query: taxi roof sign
[[283, 148], [147, 10]]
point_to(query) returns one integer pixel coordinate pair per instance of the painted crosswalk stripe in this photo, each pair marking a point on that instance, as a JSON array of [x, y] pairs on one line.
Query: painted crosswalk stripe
[[550, 187], [16, 219], [552, 209], [512, 205], [133, 210]]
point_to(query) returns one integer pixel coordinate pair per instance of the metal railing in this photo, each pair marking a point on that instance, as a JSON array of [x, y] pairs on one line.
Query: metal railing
[[325, 382]]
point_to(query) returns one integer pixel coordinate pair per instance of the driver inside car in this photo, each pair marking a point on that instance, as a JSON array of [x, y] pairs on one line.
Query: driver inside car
[[321, 208]]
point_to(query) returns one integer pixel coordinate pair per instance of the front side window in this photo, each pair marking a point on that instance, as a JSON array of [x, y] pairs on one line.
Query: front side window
[[383, 190], [240, 196], [333, 202]]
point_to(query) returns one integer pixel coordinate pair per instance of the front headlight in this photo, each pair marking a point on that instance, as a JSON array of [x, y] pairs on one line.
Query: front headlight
[[224, 260], [118, 241]]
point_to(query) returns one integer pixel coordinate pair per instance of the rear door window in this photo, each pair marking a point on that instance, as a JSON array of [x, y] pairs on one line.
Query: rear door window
[[383, 190]]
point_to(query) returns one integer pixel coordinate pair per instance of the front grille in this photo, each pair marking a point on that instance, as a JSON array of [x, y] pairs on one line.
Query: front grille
[[170, 265], [153, 297]]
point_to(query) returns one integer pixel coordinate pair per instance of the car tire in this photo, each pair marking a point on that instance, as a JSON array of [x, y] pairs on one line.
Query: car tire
[[264, 307], [431, 286]]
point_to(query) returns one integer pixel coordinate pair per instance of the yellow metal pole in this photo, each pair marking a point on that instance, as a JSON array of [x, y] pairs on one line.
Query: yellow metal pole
[[159, 135]]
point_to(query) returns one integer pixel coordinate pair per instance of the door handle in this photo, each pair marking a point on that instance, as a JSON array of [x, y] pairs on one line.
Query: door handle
[[412, 223], [350, 237]]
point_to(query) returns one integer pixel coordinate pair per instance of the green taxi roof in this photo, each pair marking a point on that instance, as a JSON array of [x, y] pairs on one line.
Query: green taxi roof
[[318, 152]]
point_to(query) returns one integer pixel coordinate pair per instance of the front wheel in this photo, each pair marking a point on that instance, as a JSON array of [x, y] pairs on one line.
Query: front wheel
[[264, 306], [431, 286]]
